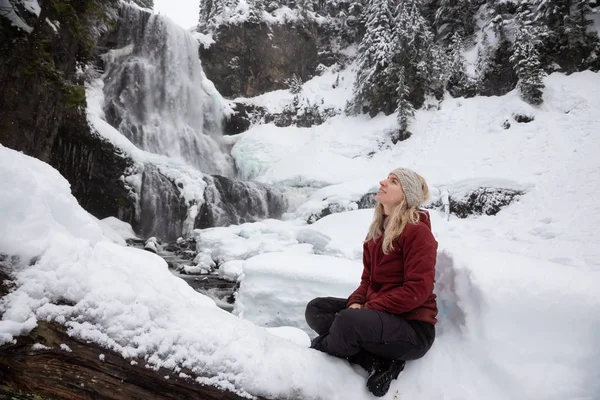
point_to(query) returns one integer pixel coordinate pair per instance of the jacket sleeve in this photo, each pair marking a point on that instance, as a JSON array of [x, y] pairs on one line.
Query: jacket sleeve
[[419, 254], [360, 295]]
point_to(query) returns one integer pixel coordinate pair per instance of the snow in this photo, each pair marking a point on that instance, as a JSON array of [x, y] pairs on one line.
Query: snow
[[292, 334], [321, 89], [265, 154], [36, 203], [519, 309], [32, 6], [277, 286], [66, 348], [9, 13], [231, 270], [123, 229]]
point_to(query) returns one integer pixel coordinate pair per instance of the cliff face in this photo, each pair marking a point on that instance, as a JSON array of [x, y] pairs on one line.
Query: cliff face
[[253, 58], [43, 107]]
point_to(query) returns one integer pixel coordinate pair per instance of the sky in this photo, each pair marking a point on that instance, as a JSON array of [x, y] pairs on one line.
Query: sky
[[182, 12]]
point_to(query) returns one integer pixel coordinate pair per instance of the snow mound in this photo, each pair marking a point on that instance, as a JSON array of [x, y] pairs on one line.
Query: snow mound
[[35, 204], [277, 286]]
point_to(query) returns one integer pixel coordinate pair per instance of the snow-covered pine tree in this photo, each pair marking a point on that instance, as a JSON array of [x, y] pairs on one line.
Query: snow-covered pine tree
[[404, 107], [305, 5], [294, 84], [459, 83], [455, 17], [256, 10], [526, 61], [567, 40], [210, 13], [371, 91], [414, 51]]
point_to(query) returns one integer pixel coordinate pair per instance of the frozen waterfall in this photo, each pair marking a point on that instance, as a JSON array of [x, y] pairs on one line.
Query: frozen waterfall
[[158, 96], [154, 102]]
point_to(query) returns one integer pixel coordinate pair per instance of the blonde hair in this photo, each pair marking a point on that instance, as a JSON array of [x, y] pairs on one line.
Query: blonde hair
[[395, 223]]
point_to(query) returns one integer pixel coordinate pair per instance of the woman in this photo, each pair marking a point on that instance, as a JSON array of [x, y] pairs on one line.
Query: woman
[[390, 318]]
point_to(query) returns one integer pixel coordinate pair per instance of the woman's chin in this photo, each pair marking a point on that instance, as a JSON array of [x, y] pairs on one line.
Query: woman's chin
[[377, 198]]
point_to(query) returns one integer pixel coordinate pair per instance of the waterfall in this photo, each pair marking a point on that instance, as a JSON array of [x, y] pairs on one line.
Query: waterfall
[[158, 96], [154, 93]]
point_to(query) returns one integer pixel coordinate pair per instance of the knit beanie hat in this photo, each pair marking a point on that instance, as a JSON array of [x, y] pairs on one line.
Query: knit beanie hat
[[413, 191]]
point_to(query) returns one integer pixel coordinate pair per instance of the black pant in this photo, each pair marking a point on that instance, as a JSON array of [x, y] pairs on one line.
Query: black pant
[[364, 336]]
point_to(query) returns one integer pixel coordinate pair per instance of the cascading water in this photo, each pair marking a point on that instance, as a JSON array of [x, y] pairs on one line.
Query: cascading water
[[158, 96], [154, 92]]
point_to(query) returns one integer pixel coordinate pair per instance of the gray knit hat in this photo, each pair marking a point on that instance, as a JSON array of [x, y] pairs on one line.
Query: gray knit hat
[[413, 191]]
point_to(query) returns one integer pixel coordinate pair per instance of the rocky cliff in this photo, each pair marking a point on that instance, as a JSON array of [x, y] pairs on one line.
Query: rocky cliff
[[43, 107], [256, 57]]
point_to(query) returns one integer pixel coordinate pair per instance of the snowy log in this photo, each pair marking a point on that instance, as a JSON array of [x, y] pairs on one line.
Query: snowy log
[[50, 364], [87, 371]]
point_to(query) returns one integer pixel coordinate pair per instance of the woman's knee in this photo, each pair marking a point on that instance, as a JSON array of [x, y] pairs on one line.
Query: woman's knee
[[313, 305], [312, 309], [349, 322]]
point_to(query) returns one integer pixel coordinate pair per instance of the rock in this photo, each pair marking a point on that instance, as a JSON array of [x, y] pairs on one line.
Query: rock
[[145, 3], [151, 245], [227, 201], [500, 78], [245, 116], [367, 201], [480, 201], [399, 135], [488, 201], [506, 124], [162, 208], [332, 208], [42, 109], [250, 58], [522, 118], [94, 168]]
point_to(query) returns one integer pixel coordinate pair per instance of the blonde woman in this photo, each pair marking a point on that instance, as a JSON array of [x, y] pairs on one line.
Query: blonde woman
[[390, 318]]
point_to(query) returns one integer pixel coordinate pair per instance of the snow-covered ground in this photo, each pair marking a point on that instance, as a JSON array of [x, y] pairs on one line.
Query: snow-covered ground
[[518, 292]]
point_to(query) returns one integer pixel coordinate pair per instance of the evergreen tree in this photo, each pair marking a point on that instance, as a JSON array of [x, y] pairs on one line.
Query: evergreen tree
[[294, 84], [455, 17], [211, 11], [567, 40], [256, 10], [525, 59], [459, 84], [404, 107], [305, 6], [484, 52], [374, 53], [424, 63]]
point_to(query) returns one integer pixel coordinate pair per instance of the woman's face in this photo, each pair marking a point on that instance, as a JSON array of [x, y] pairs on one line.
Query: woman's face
[[390, 192]]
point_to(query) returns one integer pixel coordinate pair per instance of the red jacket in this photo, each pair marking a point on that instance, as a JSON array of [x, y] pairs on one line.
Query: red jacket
[[401, 282]]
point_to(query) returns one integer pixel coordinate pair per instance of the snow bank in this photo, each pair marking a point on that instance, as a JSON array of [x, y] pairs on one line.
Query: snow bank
[[240, 242], [277, 286], [322, 155], [36, 204], [116, 230]]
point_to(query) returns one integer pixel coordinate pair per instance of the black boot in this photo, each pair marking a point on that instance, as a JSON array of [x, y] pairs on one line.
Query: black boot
[[316, 342], [382, 375]]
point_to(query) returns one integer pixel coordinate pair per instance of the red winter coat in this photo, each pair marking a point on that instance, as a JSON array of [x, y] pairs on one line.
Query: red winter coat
[[401, 282]]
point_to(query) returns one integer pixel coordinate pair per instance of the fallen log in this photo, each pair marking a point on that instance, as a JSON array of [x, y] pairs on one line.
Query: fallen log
[[87, 371]]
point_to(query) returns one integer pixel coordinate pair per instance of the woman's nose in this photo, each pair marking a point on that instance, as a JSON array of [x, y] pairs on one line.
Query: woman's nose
[[383, 182]]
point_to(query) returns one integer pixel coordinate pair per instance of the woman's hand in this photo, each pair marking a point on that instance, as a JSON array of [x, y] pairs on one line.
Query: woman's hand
[[355, 305]]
